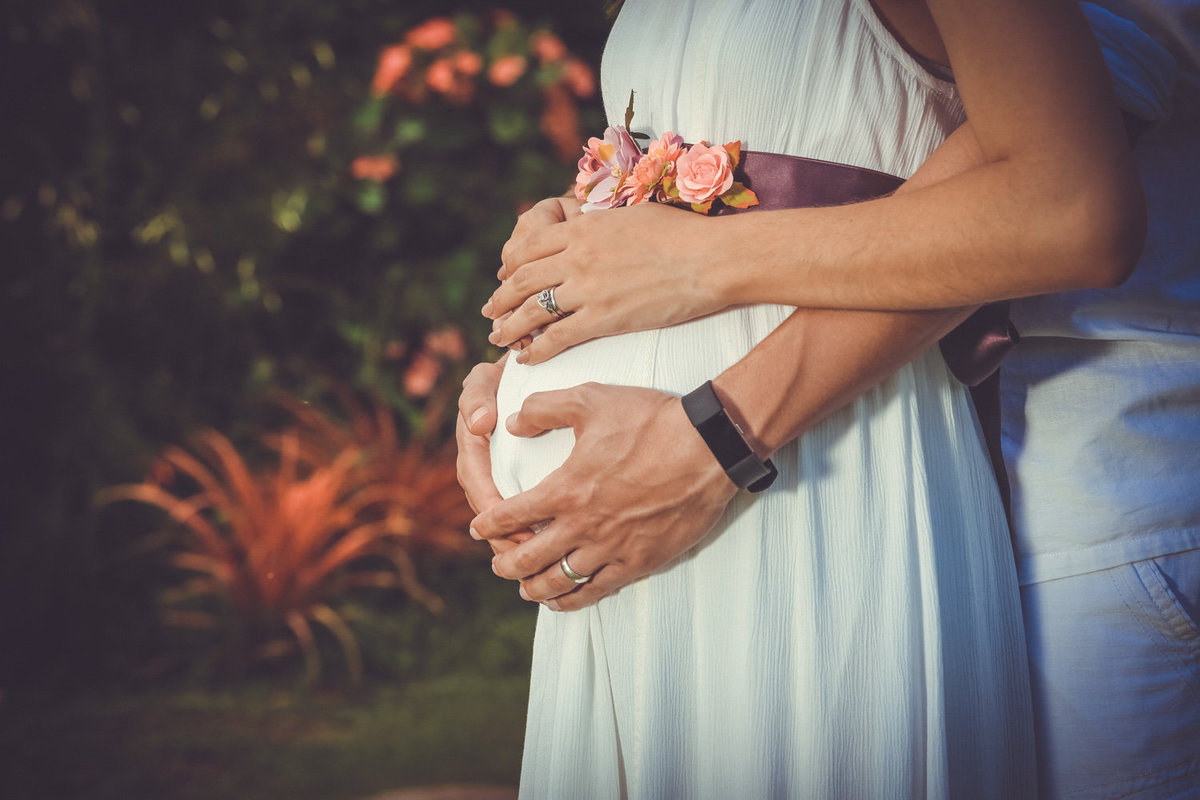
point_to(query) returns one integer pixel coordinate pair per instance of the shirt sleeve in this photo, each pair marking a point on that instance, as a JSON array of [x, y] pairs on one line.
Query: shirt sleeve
[[1143, 72]]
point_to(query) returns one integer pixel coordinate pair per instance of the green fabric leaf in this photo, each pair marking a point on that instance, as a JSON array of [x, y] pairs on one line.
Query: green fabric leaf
[[739, 196]]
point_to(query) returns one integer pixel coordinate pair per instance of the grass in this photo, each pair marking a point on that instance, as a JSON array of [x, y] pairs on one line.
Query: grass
[[262, 741]]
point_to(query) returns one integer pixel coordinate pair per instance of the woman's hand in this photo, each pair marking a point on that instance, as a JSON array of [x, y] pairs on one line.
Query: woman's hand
[[639, 488], [612, 271]]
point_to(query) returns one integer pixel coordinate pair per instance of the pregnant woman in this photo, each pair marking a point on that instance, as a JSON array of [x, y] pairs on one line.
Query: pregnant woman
[[854, 631]]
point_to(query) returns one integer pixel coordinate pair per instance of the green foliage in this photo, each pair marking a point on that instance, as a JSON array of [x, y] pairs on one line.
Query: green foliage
[[268, 552], [183, 233], [264, 742]]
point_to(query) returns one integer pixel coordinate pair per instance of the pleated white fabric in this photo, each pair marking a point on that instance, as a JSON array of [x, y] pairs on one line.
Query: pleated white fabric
[[853, 632]]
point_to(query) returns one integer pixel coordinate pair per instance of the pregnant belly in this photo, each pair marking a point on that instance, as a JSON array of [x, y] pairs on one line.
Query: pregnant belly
[[674, 360]]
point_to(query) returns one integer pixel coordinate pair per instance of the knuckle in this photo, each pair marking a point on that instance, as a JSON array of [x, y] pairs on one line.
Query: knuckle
[[573, 496], [519, 281], [524, 562], [499, 520], [530, 307], [581, 395]]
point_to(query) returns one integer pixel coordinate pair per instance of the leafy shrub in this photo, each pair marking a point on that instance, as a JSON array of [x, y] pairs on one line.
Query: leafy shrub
[[273, 549]]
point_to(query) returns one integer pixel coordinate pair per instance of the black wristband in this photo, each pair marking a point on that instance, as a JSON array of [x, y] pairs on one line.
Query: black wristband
[[725, 440]]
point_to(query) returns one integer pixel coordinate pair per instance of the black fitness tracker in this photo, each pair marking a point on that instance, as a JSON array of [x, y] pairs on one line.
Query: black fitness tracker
[[725, 440]]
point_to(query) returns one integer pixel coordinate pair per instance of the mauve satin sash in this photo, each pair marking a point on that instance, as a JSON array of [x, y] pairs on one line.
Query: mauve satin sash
[[973, 351]]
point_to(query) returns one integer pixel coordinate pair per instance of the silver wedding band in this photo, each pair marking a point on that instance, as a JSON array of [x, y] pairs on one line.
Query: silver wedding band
[[545, 299], [571, 574]]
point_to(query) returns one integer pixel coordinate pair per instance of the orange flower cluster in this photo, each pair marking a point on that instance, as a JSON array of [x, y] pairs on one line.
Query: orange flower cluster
[[426, 366], [436, 58], [374, 168]]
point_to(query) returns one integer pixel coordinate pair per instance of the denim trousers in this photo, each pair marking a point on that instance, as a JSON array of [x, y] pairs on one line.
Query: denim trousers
[[1115, 670]]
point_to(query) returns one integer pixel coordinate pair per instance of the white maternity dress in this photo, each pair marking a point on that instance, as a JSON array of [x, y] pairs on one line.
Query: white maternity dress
[[854, 631]]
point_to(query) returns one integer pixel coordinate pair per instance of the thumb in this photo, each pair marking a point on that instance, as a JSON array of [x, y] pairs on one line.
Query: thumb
[[477, 403]]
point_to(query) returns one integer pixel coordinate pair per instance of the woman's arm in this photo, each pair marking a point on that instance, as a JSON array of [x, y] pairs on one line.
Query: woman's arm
[[1054, 204], [640, 487]]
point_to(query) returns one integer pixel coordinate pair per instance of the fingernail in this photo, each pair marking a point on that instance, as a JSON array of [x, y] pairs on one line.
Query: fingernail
[[512, 420], [479, 414], [523, 357], [495, 569], [474, 533], [494, 338], [553, 605], [523, 593]]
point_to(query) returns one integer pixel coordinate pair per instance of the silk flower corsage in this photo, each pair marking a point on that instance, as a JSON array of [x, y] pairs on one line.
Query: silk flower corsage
[[615, 172]]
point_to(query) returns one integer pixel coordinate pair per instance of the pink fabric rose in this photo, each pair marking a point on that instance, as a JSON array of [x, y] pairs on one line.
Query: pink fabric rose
[[589, 162], [615, 156], [703, 173]]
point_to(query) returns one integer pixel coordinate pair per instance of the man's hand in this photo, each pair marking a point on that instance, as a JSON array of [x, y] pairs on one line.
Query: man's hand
[[476, 421], [477, 403], [639, 489]]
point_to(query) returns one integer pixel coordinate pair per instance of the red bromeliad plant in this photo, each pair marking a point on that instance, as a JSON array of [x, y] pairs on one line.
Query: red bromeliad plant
[[274, 548]]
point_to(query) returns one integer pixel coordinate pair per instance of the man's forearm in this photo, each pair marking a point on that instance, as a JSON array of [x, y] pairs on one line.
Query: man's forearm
[[818, 361]]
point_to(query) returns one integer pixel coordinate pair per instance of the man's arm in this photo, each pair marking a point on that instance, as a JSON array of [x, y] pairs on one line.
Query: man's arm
[[640, 487], [1054, 204]]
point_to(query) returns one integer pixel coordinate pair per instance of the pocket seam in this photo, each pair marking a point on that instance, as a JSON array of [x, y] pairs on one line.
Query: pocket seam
[[1183, 625], [1167, 617]]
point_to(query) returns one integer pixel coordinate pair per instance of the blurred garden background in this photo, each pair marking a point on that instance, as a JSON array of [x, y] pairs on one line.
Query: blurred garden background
[[244, 247]]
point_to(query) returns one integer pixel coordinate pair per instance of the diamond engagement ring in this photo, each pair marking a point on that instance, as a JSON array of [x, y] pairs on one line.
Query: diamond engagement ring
[[571, 574], [545, 299]]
